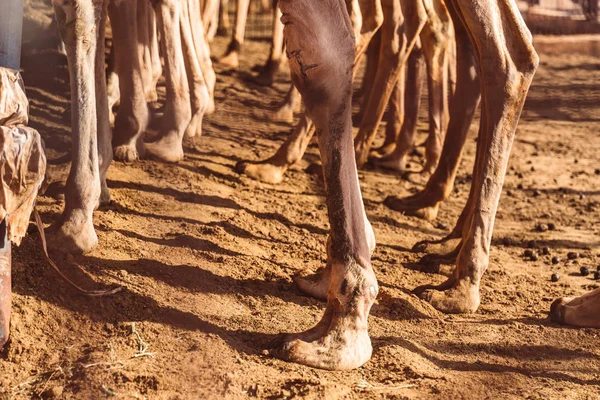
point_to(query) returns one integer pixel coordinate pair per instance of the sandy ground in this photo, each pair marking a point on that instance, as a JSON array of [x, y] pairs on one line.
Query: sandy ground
[[206, 258]]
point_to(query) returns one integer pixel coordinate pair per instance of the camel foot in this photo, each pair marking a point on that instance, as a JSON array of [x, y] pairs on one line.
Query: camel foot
[[194, 128], [382, 152], [439, 247], [104, 193], [428, 213], [340, 341], [314, 284], [75, 235], [126, 153], [579, 311], [418, 178], [262, 171], [168, 149], [284, 114], [452, 296], [230, 59]]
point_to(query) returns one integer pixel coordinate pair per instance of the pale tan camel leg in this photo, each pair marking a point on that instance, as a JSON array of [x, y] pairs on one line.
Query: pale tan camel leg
[[199, 95], [213, 26], [112, 85], [132, 117], [224, 23], [210, 9], [401, 25], [425, 204], [203, 54], [178, 112], [415, 75], [154, 49], [507, 62], [232, 54], [104, 133], [79, 23], [273, 169], [319, 54], [583, 311], [144, 11], [291, 104], [273, 64]]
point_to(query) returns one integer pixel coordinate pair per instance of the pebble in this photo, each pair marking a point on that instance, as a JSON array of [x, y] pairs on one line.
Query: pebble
[[585, 271], [555, 260], [572, 255], [532, 244], [555, 277], [265, 352], [545, 250], [520, 186], [508, 242], [53, 393], [528, 253], [541, 227], [596, 275], [534, 257], [597, 171], [536, 193], [551, 226]]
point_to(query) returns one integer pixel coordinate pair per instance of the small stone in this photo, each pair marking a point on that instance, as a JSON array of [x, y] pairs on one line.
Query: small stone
[[541, 227], [555, 277], [585, 271], [265, 352], [551, 226], [555, 260], [597, 171], [536, 193], [509, 193], [545, 250], [596, 275], [581, 196], [573, 255], [534, 257], [53, 392], [528, 253], [532, 244], [532, 168], [507, 241], [520, 186], [442, 225]]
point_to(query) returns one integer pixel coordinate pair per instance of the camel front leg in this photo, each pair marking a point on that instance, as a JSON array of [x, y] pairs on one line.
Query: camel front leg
[[401, 25], [79, 22], [273, 64], [129, 48], [178, 112], [321, 61], [231, 57], [426, 203], [507, 62]]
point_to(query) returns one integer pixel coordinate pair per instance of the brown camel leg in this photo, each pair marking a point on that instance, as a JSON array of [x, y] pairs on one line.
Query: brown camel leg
[[232, 54], [199, 95], [581, 311], [395, 118], [401, 25], [132, 117], [321, 58], [178, 112], [203, 54], [155, 62], [273, 169], [415, 75], [291, 104], [507, 62], [425, 204], [79, 23]]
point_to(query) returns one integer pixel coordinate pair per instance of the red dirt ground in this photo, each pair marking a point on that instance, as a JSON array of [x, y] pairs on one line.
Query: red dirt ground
[[206, 258]]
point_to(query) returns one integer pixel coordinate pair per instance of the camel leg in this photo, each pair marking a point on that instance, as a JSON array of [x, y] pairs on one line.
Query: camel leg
[[213, 25], [203, 54], [273, 169], [291, 104], [112, 84], [104, 133], [273, 64], [372, 19], [395, 118], [155, 62], [425, 204], [507, 62], [132, 117], [232, 54], [415, 75], [372, 54], [178, 111], [79, 23], [224, 23], [321, 58], [5, 284], [401, 25], [583, 311], [199, 95], [144, 11]]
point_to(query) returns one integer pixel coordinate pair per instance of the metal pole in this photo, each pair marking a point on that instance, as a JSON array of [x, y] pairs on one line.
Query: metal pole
[[11, 26]]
